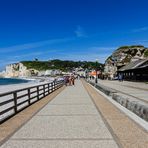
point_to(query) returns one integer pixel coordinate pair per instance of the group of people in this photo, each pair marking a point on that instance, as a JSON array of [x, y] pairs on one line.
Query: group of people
[[69, 80]]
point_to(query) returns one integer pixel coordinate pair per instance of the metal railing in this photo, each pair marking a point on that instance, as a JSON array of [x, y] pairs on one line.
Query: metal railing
[[13, 102]]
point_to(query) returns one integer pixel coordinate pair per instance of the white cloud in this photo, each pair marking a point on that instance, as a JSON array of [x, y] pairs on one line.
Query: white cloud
[[34, 45], [89, 54], [4, 63], [35, 54], [141, 29], [140, 42], [80, 32], [83, 56]]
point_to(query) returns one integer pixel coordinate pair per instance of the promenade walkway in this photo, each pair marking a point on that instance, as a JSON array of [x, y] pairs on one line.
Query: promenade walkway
[[78, 117], [71, 120]]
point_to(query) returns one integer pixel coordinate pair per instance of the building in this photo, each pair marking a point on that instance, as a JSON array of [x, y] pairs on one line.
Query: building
[[110, 69], [53, 72], [94, 74], [135, 71]]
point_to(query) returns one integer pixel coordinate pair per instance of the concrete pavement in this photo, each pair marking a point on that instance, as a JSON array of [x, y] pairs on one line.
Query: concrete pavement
[[70, 120], [138, 90]]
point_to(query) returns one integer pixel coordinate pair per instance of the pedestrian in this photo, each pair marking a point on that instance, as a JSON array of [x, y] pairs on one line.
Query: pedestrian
[[70, 81], [120, 77], [111, 76], [65, 80], [73, 80]]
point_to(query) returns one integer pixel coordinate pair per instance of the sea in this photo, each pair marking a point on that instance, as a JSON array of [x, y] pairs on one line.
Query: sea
[[8, 81]]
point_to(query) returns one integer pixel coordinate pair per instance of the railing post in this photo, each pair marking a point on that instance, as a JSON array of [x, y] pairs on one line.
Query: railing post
[[44, 90], [48, 88], [38, 92], [29, 96], [15, 101], [55, 85], [52, 86], [59, 85]]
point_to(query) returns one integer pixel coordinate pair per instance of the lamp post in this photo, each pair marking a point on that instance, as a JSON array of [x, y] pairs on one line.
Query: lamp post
[[86, 73], [96, 81]]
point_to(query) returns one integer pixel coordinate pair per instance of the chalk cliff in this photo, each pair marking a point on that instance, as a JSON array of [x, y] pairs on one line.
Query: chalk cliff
[[124, 55]]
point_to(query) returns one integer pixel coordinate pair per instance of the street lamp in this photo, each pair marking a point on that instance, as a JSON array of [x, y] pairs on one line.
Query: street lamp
[[86, 73], [96, 81]]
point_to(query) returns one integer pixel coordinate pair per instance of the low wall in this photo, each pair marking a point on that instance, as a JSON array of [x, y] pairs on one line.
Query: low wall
[[138, 107]]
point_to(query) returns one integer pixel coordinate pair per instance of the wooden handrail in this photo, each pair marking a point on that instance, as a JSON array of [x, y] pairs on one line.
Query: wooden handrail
[[24, 100]]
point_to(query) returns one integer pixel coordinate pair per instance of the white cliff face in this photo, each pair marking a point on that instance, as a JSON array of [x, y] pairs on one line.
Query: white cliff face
[[12, 70], [124, 55], [2, 74], [23, 71], [17, 70]]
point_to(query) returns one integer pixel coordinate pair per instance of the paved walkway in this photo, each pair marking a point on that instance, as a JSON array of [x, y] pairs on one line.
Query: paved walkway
[[134, 89], [71, 120]]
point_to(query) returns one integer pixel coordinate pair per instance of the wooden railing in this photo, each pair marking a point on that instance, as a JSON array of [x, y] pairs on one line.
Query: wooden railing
[[13, 102]]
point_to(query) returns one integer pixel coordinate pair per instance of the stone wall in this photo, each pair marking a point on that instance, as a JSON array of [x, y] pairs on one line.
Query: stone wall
[[138, 107]]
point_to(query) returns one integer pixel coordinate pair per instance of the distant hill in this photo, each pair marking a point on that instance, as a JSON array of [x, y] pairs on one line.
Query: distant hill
[[60, 64]]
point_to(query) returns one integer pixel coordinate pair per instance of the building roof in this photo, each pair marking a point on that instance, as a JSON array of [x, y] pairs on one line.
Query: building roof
[[134, 65]]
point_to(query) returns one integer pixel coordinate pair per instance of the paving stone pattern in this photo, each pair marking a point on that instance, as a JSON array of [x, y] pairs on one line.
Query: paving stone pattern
[[71, 120]]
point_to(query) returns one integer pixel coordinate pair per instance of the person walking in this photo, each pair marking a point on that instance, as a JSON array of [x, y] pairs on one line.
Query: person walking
[[66, 80], [73, 81], [120, 77], [70, 80]]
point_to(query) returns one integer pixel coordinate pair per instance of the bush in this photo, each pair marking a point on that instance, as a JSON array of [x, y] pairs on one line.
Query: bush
[[146, 53]]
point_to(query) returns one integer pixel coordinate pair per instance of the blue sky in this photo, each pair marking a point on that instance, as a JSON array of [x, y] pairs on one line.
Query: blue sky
[[69, 29]]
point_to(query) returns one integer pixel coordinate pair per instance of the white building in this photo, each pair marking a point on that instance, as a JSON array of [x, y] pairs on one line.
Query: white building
[[53, 72], [41, 73]]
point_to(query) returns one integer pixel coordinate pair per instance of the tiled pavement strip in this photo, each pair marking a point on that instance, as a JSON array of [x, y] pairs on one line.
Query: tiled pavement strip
[[71, 120]]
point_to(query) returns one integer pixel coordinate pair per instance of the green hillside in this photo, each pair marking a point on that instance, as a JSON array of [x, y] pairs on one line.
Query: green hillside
[[59, 64]]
